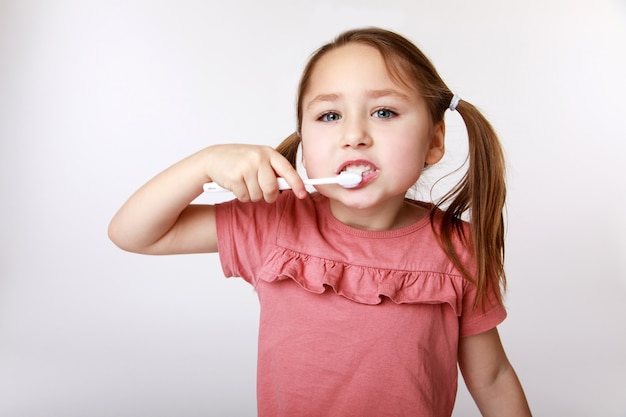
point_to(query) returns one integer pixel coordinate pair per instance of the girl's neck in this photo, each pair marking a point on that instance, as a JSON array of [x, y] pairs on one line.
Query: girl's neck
[[395, 214]]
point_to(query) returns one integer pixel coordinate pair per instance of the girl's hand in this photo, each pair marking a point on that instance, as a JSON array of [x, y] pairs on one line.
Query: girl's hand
[[250, 171]]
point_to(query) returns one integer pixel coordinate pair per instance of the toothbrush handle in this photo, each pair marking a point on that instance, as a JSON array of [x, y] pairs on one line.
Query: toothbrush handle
[[212, 187], [282, 184]]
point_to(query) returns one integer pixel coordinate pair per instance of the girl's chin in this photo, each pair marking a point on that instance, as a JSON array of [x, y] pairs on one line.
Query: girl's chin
[[360, 199]]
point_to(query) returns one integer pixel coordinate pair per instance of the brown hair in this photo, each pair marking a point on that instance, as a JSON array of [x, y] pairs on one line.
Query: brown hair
[[481, 191]]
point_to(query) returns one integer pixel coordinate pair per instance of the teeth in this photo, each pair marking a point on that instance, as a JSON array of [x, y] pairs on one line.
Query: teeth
[[358, 169]]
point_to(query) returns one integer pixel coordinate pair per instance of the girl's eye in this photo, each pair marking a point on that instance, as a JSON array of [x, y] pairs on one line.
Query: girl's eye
[[329, 117], [384, 113]]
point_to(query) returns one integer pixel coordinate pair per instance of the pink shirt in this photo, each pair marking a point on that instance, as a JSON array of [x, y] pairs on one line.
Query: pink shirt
[[353, 322]]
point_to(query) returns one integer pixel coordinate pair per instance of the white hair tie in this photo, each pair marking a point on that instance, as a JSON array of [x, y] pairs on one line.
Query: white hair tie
[[454, 102]]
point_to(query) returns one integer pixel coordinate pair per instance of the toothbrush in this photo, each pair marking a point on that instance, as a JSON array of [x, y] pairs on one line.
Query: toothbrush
[[345, 179]]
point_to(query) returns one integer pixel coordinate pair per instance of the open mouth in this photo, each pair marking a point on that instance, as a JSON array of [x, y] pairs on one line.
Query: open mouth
[[360, 169], [367, 171]]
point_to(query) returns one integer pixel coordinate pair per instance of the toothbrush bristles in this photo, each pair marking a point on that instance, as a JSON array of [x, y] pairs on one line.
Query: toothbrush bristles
[[349, 179]]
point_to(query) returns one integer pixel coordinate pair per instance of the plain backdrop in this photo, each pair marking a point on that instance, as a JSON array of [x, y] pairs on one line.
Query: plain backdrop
[[98, 96]]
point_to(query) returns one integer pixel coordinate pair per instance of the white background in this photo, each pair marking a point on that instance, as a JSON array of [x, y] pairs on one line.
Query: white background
[[96, 97]]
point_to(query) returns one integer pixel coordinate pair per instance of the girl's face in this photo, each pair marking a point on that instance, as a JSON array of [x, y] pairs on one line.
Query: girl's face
[[355, 117]]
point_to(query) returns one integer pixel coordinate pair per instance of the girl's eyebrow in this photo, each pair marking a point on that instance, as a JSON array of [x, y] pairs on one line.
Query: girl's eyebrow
[[369, 93], [323, 97], [387, 92]]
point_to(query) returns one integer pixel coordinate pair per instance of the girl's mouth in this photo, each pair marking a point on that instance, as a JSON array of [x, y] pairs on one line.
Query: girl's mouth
[[366, 169]]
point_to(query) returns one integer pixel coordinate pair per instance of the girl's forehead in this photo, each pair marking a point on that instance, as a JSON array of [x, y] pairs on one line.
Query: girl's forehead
[[354, 65], [352, 56]]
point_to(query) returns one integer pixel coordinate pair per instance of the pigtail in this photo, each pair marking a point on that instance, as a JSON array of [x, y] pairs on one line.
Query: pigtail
[[289, 148], [482, 192]]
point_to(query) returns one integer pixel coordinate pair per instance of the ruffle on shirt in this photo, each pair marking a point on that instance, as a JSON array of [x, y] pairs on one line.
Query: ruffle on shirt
[[363, 284]]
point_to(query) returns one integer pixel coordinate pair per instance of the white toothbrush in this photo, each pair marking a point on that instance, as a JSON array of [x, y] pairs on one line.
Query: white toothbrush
[[345, 179]]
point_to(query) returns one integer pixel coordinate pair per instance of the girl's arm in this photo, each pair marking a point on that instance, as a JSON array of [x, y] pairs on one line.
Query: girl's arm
[[489, 377], [159, 219]]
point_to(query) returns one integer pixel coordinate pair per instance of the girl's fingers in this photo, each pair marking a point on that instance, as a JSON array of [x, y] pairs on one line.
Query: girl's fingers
[[250, 172], [268, 183], [283, 168], [254, 189], [240, 189]]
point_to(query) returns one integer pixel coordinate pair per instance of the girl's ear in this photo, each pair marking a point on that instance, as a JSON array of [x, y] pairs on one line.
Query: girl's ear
[[301, 162], [437, 147], [301, 155]]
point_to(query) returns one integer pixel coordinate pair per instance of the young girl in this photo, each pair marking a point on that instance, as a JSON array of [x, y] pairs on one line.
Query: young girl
[[368, 299]]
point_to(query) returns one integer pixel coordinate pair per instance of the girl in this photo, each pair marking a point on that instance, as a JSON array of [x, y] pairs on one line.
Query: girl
[[368, 299]]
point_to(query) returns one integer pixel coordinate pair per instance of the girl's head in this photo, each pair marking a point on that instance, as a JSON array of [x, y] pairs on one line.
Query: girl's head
[[481, 191], [356, 115]]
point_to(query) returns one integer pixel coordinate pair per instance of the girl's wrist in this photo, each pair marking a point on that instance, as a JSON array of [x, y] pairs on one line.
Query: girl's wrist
[[207, 159]]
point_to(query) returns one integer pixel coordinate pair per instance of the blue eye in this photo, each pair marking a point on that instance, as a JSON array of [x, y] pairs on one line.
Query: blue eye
[[329, 117], [384, 114]]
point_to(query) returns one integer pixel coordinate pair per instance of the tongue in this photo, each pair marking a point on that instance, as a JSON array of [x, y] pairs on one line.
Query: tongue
[[367, 174]]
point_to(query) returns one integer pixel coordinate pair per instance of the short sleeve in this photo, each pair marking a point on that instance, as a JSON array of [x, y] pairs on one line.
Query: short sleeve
[[245, 235], [477, 319]]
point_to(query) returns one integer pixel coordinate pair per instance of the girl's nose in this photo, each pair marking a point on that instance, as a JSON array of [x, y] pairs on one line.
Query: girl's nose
[[355, 134]]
